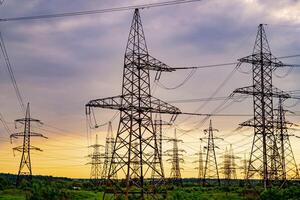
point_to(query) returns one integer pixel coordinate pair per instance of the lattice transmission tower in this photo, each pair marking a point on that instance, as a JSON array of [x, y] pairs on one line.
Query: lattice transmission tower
[[229, 167], [265, 161], [96, 163], [289, 164], [176, 155], [136, 106], [244, 167], [211, 170], [158, 161], [109, 146], [200, 163], [25, 168]]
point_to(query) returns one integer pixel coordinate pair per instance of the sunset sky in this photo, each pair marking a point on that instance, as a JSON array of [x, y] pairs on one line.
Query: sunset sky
[[60, 64]]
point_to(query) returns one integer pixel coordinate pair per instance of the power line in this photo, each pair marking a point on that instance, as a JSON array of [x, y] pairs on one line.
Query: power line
[[11, 73], [99, 11]]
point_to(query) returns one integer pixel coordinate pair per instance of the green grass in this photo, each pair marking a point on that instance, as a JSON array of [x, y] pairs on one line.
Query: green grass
[[12, 194], [88, 195]]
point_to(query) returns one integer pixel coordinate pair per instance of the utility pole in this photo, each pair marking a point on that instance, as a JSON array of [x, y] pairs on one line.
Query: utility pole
[[264, 161], [136, 106], [176, 159], [25, 170], [109, 146], [289, 165], [211, 165], [200, 164], [96, 162]]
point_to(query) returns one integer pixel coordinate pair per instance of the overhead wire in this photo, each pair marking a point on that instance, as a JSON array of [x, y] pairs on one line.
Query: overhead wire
[[11, 74], [99, 11], [223, 83], [186, 79]]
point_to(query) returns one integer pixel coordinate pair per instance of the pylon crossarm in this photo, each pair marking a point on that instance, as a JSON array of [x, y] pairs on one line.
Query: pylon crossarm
[[274, 93], [109, 103], [156, 65], [22, 120], [35, 148], [19, 148], [268, 59], [16, 135], [157, 106], [33, 134]]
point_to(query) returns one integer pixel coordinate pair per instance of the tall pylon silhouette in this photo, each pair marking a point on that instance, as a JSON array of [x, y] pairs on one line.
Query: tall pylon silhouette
[[211, 170], [200, 163], [96, 162], [265, 161], [289, 164], [136, 106], [25, 168], [176, 155], [109, 146]]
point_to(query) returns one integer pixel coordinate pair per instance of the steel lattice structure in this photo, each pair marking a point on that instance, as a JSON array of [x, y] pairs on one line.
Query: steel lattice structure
[[175, 160], [25, 169], [265, 160], [229, 166], [158, 129], [136, 106], [109, 146], [200, 164], [289, 165], [211, 166], [96, 163]]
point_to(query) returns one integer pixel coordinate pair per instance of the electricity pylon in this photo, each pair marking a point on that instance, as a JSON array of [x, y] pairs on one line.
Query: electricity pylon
[[158, 162], [200, 164], [175, 160], [265, 160], [136, 106], [244, 167], [109, 146], [289, 165], [211, 166], [229, 166], [96, 162], [233, 165], [25, 170], [226, 166]]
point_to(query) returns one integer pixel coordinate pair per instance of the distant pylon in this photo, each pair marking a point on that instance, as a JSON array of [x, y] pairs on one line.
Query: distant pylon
[[244, 167], [265, 161], [109, 146], [175, 160], [233, 164], [136, 105], [226, 165], [229, 166], [200, 164], [25, 164], [289, 165], [211, 166], [135, 162], [158, 158], [96, 162]]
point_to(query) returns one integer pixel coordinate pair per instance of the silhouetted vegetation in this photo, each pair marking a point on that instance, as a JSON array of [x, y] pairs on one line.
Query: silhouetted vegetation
[[45, 188]]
